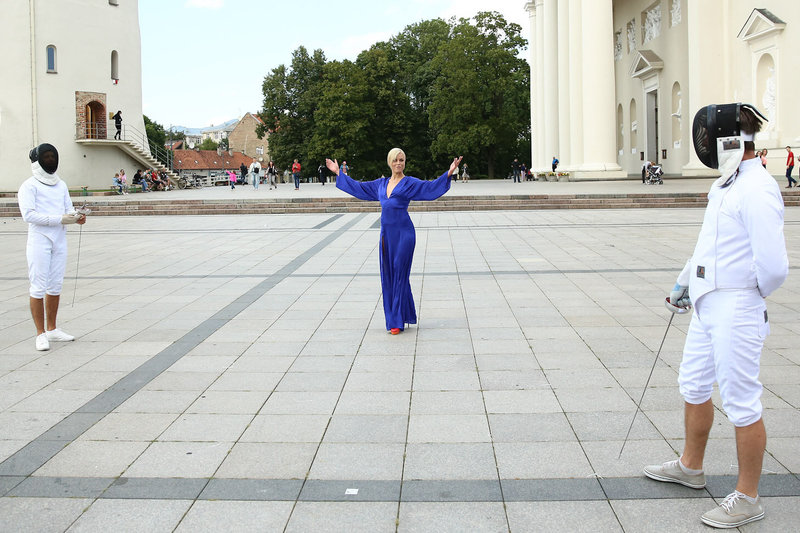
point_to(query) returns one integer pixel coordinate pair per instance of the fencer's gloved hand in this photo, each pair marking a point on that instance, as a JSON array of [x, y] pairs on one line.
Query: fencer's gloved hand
[[679, 296], [70, 218]]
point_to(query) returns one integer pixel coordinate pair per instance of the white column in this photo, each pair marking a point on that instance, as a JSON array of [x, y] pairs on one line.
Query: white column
[[564, 106], [540, 164], [599, 117], [550, 80], [706, 71], [575, 88], [533, 35]]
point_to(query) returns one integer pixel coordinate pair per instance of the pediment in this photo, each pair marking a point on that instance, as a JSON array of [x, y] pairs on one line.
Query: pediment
[[645, 63], [760, 23]]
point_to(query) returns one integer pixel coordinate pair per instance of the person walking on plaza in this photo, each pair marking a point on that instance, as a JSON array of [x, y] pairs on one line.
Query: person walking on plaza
[[465, 173], [232, 178], [45, 205], [515, 170], [255, 173], [739, 259], [763, 156], [322, 172], [296, 174], [272, 173], [397, 236], [118, 125], [554, 164], [789, 167]]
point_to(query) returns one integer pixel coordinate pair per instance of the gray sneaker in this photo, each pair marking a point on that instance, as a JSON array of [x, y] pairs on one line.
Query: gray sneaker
[[671, 472], [734, 511]]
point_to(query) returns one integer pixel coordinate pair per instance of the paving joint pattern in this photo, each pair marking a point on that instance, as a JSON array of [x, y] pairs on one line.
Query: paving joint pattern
[[242, 379]]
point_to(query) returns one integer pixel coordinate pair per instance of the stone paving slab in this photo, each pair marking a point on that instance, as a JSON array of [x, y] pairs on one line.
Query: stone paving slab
[[235, 372]]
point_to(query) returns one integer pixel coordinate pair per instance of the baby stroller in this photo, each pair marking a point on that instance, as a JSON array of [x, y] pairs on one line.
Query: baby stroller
[[655, 175]]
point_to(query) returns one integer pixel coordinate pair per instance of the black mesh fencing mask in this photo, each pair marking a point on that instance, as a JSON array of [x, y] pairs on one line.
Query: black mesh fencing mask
[[718, 138], [47, 156]]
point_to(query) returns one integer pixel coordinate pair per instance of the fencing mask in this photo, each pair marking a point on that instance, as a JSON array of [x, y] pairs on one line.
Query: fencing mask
[[47, 156], [718, 137]]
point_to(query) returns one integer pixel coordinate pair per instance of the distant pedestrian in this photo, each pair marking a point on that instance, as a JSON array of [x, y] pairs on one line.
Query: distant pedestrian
[[232, 178], [515, 170], [555, 163], [322, 172], [763, 157], [789, 167], [272, 173], [118, 125], [465, 173], [255, 173], [123, 178], [296, 174]]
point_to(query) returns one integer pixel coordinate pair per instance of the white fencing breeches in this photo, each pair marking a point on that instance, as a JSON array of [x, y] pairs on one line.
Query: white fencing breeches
[[724, 344], [47, 262]]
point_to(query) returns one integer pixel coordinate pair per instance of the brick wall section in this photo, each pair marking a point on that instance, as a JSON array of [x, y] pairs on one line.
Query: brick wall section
[[243, 138], [82, 99]]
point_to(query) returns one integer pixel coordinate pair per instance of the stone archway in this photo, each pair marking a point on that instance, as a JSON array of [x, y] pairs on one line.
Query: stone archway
[[90, 115]]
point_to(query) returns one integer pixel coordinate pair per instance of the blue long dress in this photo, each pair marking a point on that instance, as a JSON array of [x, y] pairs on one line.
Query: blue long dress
[[398, 238]]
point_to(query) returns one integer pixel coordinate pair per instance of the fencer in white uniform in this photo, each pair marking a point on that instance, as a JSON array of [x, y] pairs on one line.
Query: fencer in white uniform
[[739, 259], [45, 205]]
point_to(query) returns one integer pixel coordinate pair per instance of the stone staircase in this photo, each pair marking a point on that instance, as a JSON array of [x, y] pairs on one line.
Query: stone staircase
[[136, 151], [165, 206]]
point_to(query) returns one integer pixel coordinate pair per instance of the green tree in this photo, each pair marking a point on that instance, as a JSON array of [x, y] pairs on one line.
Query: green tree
[[209, 144], [155, 132], [291, 98], [480, 103], [343, 116]]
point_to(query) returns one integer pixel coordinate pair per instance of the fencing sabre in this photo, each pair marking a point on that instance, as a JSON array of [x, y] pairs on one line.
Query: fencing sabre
[[84, 211], [675, 311]]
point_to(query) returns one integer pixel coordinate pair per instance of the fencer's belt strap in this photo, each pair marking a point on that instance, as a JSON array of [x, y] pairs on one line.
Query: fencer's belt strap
[[737, 288]]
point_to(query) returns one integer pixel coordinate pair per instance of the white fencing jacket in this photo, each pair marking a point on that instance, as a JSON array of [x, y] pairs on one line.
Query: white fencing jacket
[[741, 243], [43, 205]]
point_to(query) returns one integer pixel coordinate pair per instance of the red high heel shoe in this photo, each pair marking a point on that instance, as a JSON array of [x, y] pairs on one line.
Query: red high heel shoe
[[394, 331]]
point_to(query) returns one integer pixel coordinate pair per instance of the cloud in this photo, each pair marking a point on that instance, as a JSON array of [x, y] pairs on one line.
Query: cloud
[[350, 46], [205, 4]]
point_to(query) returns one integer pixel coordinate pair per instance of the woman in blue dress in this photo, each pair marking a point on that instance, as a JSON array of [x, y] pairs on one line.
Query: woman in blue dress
[[398, 238]]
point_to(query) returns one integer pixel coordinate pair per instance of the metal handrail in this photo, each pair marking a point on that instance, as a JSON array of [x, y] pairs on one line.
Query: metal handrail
[[100, 130]]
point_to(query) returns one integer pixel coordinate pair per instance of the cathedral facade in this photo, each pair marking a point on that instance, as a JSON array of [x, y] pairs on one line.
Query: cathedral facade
[[616, 83]]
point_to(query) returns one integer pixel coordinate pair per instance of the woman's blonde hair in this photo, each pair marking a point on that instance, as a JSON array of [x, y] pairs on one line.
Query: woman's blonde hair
[[393, 153]]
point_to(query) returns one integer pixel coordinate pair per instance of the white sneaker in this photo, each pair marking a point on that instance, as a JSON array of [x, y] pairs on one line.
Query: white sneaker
[[57, 335], [42, 344]]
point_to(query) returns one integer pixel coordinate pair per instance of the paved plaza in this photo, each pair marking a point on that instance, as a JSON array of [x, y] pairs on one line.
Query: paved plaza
[[233, 373]]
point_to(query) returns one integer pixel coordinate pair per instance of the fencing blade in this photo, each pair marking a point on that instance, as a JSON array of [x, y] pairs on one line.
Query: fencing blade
[[639, 405]]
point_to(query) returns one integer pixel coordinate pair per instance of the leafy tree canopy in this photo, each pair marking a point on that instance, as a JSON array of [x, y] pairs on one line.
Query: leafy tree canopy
[[438, 89]]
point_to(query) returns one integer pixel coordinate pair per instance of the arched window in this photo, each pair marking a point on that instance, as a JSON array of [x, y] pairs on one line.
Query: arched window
[[677, 112], [114, 66], [51, 59], [766, 97]]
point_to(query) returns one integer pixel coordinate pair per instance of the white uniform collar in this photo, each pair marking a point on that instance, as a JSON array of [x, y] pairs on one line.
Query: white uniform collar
[[42, 176]]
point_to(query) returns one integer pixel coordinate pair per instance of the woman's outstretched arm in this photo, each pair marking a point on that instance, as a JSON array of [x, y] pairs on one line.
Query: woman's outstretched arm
[[431, 190], [363, 190]]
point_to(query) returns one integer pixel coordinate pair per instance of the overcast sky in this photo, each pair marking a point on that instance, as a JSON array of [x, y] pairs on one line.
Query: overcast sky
[[203, 61]]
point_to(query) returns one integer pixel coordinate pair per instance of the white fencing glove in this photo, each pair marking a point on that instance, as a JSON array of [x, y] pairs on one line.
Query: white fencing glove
[[678, 301], [679, 296], [70, 218]]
